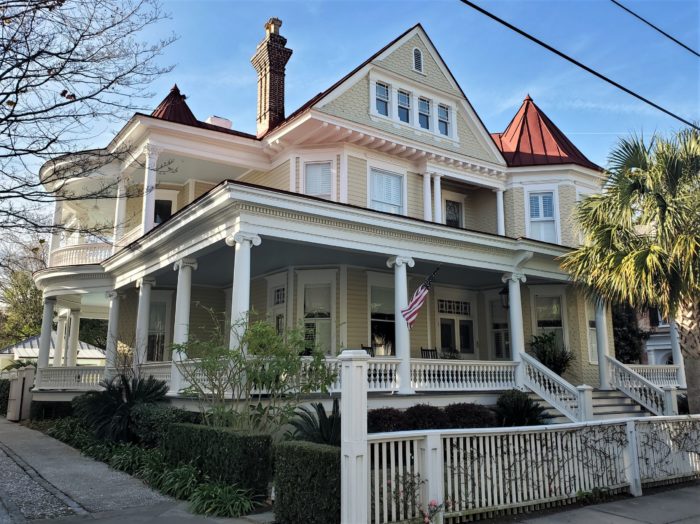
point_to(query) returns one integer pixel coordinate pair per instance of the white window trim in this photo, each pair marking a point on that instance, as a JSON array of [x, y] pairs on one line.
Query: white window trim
[[422, 61], [168, 194], [417, 91], [549, 291], [543, 188], [318, 157], [453, 293], [455, 197], [378, 280], [394, 169], [318, 276], [588, 333]]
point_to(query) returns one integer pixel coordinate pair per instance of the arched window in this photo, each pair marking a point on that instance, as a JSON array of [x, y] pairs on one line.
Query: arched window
[[417, 60]]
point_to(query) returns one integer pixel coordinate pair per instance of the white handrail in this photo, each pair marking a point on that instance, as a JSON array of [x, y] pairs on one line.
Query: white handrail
[[562, 395], [637, 387], [660, 375], [76, 254], [462, 375]]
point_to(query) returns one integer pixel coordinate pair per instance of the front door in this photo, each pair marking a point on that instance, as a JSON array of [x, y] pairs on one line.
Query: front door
[[455, 323]]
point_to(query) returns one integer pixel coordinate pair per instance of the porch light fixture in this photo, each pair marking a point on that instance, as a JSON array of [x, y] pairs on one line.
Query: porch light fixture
[[504, 295]]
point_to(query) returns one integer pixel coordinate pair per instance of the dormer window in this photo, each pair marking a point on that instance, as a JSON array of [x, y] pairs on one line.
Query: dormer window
[[417, 60], [404, 105], [382, 97], [424, 113]]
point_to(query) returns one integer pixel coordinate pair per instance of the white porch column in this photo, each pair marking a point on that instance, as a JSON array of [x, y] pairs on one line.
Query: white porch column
[[677, 354], [119, 213], [112, 330], [515, 318], [149, 189], [427, 201], [46, 329], [143, 317], [60, 341], [601, 340], [183, 298], [500, 213], [55, 241], [402, 335], [437, 198], [354, 464], [72, 349], [240, 294]]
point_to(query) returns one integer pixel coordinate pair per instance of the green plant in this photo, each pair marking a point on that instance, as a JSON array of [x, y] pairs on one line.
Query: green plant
[[307, 483], [385, 419], [180, 482], [223, 454], [152, 468], [317, 426], [425, 416], [108, 412], [4, 395], [628, 338], [515, 408], [98, 451], [128, 458], [19, 364], [72, 431], [547, 350], [149, 422], [221, 500], [467, 415]]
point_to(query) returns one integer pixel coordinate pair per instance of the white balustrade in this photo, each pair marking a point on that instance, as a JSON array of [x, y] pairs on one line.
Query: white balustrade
[[74, 378], [461, 375], [157, 370], [382, 374], [658, 375], [562, 395], [80, 254], [638, 388]]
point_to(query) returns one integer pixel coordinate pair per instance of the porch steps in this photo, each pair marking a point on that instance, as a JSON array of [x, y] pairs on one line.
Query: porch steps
[[606, 405]]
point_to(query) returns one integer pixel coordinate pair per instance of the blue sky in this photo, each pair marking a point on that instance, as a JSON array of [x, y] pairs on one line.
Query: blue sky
[[495, 67]]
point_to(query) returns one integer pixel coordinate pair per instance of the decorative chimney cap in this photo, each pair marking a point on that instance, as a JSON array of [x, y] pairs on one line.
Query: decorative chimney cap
[[272, 26]]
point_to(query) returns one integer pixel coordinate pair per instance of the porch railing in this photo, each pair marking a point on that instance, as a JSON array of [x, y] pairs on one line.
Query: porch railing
[[74, 378], [667, 375], [158, 370], [80, 254], [638, 388], [562, 395], [461, 375]]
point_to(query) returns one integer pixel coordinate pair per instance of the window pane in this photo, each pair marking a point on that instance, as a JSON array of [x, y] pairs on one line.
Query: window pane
[[444, 128], [424, 113], [549, 317], [163, 211], [424, 105], [382, 99], [447, 334], [382, 107], [404, 114], [317, 181], [544, 230], [156, 332], [317, 301], [453, 213], [382, 91], [382, 300], [548, 205], [404, 99], [534, 206], [387, 191], [443, 112]]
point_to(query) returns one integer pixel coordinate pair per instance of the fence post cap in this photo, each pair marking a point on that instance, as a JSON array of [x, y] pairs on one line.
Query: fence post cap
[[353, 354], [668, 388], [584, 387]]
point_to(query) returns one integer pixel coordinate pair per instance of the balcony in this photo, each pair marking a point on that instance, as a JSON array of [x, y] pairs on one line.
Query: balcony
[[77, 254]]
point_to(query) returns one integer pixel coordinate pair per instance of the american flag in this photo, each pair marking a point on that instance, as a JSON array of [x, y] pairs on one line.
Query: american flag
[[418, 299]]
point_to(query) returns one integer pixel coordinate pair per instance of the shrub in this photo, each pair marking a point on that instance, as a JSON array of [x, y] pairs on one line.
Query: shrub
[[108, 412], [425, 416], [307, 476], [467, 415], [221, 500], [72, 431], [98, 451], [4, 395], [317, 426], [385, 419], [150, 421], [180, 482], [223, 454], [546, 350], [153, 468], [515, 408], [128, 458]]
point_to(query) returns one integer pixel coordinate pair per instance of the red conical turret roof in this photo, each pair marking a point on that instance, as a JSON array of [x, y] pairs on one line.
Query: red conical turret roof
[[174, 108], [532, 139]]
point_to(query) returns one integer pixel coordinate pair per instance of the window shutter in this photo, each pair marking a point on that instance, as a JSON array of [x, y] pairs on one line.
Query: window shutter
[[418, 60]]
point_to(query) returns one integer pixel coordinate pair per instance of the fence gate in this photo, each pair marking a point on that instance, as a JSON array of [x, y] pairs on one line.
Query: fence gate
[[20, 396]]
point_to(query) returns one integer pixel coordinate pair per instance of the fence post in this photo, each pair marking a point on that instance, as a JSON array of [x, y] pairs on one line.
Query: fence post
[[585, 402], [631, 456], [433, 468], [354, 467], [670, 401]]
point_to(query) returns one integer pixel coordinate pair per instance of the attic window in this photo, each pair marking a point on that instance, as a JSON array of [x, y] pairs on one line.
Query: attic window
[[417, 60]]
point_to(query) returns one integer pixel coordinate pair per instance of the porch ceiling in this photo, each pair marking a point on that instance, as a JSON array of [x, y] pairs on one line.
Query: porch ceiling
[[215, 266]]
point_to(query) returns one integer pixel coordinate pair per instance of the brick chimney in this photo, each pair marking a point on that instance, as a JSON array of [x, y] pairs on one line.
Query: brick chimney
[[270, 59]]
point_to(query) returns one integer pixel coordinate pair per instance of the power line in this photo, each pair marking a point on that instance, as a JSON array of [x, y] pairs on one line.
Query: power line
[[647, 22], [579, 64]]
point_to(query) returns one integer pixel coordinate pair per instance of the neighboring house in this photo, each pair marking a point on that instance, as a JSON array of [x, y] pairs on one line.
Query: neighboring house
[[658, 347], [28, 350], [330, 217]]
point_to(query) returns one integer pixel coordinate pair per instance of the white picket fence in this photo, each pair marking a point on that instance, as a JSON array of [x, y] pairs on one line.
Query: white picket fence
[[497, 470]]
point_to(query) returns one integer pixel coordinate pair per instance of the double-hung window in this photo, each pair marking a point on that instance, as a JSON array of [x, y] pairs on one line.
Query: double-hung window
[[382, 98], [542, 221], [317, 179], [404, 106], [424, 113], [592, 332], [444, 119], [317, 317], [386, 192]]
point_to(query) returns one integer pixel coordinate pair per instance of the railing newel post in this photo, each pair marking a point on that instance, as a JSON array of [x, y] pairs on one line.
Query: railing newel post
[[585, 402], [433, 470], [670, 401]]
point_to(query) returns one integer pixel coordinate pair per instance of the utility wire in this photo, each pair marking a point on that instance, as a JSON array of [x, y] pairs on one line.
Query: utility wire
[[579, 64], [647, 22]]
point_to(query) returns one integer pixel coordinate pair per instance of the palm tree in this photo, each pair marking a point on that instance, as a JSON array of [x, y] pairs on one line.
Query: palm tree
[[642, 236]]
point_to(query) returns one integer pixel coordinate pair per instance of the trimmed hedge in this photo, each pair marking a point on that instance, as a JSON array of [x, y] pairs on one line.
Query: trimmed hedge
[[223, 454], [151, 421], [466, 415], [385, 419], [425, 416], [307, 483], [4, 395]]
